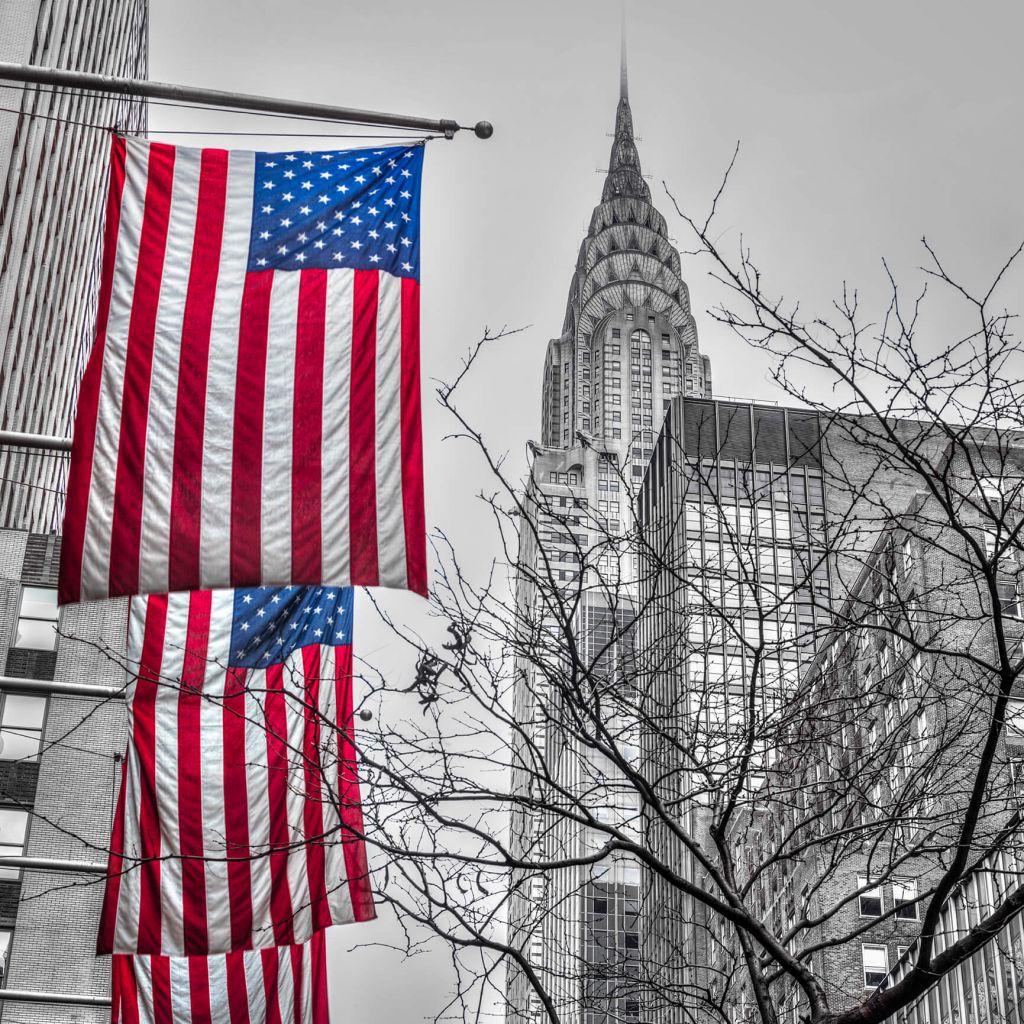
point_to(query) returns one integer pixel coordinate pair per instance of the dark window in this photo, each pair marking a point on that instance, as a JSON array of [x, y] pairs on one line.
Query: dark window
[[870, 900]]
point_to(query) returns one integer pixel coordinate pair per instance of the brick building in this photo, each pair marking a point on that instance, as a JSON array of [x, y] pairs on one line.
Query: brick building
[[59, 770]]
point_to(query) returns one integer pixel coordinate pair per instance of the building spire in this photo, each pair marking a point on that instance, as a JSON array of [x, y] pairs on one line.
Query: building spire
[[623, 71], [625, 179]]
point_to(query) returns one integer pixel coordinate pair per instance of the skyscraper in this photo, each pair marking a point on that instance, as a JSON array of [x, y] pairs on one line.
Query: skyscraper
[[628, 345], [53, 165]]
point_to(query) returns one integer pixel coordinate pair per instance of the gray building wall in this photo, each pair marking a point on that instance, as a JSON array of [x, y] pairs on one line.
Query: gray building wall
[[54, 147]]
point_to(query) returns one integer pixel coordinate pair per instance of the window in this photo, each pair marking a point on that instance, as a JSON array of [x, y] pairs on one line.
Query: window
[[1009, 598], [5, 947], [21, 726], [13, 825], [875, 960], [37, 619], [870, 901], [629, 316], [616, 333], [904, 898]]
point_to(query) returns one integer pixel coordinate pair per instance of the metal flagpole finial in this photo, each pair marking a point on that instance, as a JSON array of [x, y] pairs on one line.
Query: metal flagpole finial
[[623, 74]]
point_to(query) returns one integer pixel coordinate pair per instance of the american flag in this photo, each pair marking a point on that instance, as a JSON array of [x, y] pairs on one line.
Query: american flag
[[238, 823], [281, 985], [250, 412]]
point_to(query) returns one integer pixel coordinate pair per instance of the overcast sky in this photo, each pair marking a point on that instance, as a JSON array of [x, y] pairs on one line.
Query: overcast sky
[[862, 127]]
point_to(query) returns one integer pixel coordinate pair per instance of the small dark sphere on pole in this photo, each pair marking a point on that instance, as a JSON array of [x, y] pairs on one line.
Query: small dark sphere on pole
[[483, 129], [366, 714]]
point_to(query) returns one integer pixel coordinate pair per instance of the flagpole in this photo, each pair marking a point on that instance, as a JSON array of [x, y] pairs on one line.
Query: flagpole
[[43, 442], [37, 75]]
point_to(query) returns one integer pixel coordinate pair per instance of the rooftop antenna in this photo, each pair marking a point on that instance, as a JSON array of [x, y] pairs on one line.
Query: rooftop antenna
[[623, 73]]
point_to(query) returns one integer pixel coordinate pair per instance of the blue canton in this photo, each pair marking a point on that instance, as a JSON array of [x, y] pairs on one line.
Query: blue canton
[[270, 623], [357, 208]]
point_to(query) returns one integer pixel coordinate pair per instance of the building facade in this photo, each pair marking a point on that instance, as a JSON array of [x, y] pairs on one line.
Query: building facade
[[60, 766], [54, 147]]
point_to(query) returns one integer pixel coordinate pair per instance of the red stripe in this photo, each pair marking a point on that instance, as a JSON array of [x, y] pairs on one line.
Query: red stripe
[[298, 1002], [238, 989], [313, 811], [144, 740], [236, 810], [318, 978], [307, 428], [190, 408], [160, 979], [247, 443], [199, 991], [271, 961], [76, 508], [124, 990], [190, 774], [115, 867], [356, 868], [275, 711], [362, 432], [412, 441], [126, 530]]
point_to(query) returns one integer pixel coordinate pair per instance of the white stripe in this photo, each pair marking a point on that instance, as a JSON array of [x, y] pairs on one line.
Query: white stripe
[[181, 989], [100, 512], [211, 735], [335, 455], [278, 411], [168, 693], [390, 510], [254, 986], [286, 984], [217, 971], [159, 464], [298, 875], [215, 546], [258, 790], [126, 915]]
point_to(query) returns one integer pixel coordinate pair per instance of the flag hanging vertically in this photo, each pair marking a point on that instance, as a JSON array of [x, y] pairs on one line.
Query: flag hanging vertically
[[239, 823], [280, 985], [250, 411]]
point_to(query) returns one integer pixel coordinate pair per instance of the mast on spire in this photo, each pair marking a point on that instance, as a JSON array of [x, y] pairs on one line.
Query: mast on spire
[[623, 73]]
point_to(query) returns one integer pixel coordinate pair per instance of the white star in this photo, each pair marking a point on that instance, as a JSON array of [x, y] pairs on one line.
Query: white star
[[343, 189], [302, 236], [317, 611], [266, 655], [405, 195], [357, 245], [287, 197], [261, 612], [293, 625], [319, 243], [282, 250], [361, 159], [406, 217], [326, 156], [270, 163], [406, 173], [355, 206], [239, 654], [306, 210], [407, 153], [406, 241], [344, 167], [377, 170], [338, 232], [373, 210], [307, 185], [375, 234], [318, 632], [339, 256], [391, 163], [261, 262], [375, 258], [338, 215], [301, 257], [247, 599], [268, 184], [389, 202], [289, 174], [322, 199], [360, 179], [330, 597], [264, 235], [245, 627], [290, 156], [307, 164], [325, 174], [390, 225], [407, 266], [321, 225], [286, 223], [392, 248], [268, 209], [357, 221], [389, 180], [276, 599]]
